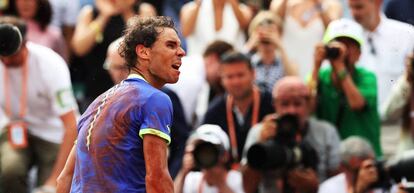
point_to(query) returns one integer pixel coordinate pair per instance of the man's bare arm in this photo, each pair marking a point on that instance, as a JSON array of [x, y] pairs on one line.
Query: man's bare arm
[[64, 180], [158, 178]]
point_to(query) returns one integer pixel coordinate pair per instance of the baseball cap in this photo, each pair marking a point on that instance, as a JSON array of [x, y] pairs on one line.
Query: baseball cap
[[344, 28], [213, 134]]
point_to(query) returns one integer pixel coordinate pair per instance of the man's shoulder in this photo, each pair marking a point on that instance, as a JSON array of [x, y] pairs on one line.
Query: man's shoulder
[[45, 56], [319, 127], [217, 103], [397, 25], [364, 72]]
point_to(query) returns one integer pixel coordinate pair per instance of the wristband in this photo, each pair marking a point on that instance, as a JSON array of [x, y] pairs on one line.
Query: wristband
[[342, 74], [95, 27]]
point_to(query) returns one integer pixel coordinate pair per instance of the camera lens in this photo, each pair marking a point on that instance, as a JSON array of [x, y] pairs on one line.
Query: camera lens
[[206, 155], [331, 53]]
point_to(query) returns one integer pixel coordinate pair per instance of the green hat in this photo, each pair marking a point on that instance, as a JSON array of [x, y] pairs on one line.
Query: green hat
[[344, 28]]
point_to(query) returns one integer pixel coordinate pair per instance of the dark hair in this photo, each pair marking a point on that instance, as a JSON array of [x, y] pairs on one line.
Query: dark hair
[[144, 31], [218, 47], [43, 13], [19, 23], [234, 57]]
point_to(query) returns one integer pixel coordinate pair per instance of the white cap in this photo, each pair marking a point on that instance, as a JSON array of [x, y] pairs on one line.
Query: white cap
[[213, 134], [344, 28]]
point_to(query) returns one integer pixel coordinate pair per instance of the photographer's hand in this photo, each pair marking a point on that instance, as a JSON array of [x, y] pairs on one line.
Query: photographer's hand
[[308, 179], [269, 128], [367, 175], [188, 165], [319, 55], [338, 63]]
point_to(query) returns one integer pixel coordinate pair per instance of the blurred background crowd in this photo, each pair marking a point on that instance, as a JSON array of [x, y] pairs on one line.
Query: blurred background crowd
[[338, 74]]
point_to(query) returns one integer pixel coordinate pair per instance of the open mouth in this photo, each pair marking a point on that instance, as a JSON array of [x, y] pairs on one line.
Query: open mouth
[[176, 66]]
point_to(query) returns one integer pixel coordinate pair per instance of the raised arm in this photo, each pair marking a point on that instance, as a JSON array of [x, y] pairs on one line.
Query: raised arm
[[188, 17], [89, 30], [242, 12]]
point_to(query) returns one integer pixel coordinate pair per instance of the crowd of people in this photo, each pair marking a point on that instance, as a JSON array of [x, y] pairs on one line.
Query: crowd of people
[[95, 84]]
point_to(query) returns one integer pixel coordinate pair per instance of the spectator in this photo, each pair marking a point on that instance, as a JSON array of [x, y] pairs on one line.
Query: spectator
[[399, 106], [39, 107], [64, 16], [242, 106], [346, 93], [358, 166], [200, 75], [292, 97], [213, 179], [115, 64], [212, 86], [303, 24], [38, 15], [270, 61], [203, 21], [96, 29], [387, 44]]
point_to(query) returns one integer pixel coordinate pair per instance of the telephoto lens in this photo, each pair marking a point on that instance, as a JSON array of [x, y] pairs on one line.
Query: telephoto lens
[[206, 154], [10, 39]]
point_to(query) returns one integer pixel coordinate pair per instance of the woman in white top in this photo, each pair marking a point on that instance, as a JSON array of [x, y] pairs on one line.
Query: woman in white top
[[203, 21], [304, 22]]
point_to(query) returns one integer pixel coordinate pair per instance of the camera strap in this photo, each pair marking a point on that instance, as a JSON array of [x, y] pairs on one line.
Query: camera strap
[[17, 129], [230, 119], [23, 96]]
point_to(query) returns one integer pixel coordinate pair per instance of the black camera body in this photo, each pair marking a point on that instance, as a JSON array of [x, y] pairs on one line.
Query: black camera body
[[396, 171], [10, 39], [283, 151], [331, 52], [207, 154]]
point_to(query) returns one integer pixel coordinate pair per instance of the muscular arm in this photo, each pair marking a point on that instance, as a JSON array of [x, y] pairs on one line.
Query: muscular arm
[[64, 180], [69, 122], [157, 179]]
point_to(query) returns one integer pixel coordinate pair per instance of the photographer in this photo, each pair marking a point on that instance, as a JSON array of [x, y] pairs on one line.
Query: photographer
[[208, 150], [292, 97], [358, 166], [39, 113], [270, 59], [346, 93], [400, 105]]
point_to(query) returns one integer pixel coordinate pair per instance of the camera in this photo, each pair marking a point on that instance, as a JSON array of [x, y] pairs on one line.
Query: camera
[[400, 170], [331, 52], [10, 39], [282, 151], [207, 154]]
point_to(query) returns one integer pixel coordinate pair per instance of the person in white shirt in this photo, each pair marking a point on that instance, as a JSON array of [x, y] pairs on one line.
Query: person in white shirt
[[39, 110], [213, 177], [358, 166], [387, 44]]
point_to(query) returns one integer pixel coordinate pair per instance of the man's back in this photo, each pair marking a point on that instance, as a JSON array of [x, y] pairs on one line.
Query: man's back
[[110, 152]]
